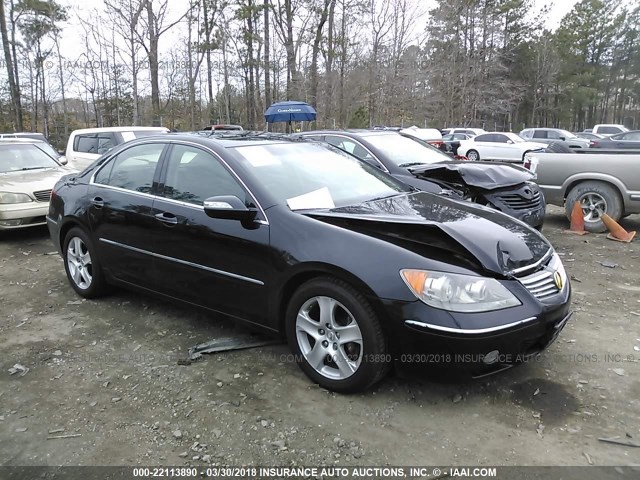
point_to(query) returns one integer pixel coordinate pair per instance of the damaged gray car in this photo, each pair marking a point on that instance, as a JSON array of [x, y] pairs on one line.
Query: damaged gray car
[[508, 188]]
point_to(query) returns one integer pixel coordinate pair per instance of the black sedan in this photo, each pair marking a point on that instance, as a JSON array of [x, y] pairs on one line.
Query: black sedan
[[355, 267], [508, 188]]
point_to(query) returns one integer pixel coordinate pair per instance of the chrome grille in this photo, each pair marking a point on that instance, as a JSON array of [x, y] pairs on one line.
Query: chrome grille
[[541, 283], [519, 202], [42, 195]]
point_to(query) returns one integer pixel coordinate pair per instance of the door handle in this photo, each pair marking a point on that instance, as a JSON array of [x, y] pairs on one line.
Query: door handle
[[167, 218], [97, 202]]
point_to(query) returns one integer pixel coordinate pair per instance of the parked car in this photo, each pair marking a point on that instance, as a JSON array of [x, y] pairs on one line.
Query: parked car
[[607, 129], [452, 141], [41, 144], [86, 145], [467, 130], [627, 140], [283, 234], [503, 187], [222, 127], [601, 182], [554, 135], [27, 175], [588, 135], [430, 135], [501, 146]]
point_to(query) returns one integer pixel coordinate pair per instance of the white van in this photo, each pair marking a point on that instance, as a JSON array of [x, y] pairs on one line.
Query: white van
[[88, 144]]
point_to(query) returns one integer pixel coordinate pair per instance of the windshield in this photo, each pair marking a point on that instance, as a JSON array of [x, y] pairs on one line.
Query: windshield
[[312, 175], [16, 158], [48, 149], [406, 152]]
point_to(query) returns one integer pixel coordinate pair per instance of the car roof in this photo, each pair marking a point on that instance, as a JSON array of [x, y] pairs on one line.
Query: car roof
[[4, 141], [120, 129], [224, 140], [351, 131]]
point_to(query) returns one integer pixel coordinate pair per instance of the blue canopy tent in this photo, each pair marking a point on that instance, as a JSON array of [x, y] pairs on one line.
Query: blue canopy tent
[[290, 111]]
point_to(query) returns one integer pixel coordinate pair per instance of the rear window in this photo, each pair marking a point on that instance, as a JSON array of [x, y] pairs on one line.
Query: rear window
[[609, 130]]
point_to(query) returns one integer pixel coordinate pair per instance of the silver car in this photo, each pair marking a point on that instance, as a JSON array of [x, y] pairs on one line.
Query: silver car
[[28, 172], [553, 135]]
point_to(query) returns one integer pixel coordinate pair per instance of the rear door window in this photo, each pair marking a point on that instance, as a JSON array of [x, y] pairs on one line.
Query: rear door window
[[85, 144], [487, 137], [132, 169], [540, 134]]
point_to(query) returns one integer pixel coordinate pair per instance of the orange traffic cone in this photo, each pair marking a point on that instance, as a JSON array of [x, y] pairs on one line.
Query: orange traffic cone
[[617, 233], [577, 221]]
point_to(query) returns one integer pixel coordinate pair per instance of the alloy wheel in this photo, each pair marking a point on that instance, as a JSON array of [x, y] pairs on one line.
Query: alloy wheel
[[329, 337], [79, 263], [593, 206]]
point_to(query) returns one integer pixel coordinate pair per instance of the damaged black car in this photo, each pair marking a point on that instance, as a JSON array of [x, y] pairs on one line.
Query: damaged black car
[[357, 269], [507, 188]]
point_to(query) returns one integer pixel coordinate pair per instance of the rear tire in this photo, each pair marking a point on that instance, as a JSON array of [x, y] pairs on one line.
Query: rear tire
[[322, 308], [82, 266], [596, 198], [473, 155]]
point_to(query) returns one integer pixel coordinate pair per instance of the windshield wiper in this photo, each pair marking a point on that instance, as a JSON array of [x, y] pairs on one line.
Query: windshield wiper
[[387, 196], [31, 168], [411, 164]]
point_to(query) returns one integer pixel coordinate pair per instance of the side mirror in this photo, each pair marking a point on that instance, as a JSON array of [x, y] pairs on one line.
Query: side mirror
[[510, 141], [562, 138], [229, 207], [63, 160]]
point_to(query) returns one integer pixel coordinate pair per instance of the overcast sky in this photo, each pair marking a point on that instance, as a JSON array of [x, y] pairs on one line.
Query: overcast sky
[[71, 40]]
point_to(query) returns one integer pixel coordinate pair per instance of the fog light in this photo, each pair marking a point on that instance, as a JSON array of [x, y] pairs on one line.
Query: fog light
[[491, 357], [10, 223]]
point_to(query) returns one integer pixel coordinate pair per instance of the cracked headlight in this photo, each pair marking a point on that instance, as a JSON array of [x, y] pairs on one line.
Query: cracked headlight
[[8, 197], [458, 293]]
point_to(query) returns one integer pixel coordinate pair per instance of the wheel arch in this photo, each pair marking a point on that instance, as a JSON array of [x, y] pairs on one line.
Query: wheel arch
[[315, 270], [575, 180], [65, 227]]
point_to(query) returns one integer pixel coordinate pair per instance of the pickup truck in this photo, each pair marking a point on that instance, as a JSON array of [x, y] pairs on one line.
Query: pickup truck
[[602, 182]]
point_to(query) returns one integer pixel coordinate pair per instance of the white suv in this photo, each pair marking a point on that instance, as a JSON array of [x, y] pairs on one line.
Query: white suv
[[88, 144]]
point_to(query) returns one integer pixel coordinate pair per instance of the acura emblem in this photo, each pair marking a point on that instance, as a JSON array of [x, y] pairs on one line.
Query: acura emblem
[[557, 279], [527, 193]]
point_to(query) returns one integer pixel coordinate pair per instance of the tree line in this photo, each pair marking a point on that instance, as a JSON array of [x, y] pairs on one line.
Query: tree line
[[481, 63]]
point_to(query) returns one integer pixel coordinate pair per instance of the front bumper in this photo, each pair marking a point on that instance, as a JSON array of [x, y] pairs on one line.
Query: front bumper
[[423, 337], [21, 215]]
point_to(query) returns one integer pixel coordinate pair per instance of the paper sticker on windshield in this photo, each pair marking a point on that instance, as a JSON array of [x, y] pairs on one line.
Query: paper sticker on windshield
[[320, 198]]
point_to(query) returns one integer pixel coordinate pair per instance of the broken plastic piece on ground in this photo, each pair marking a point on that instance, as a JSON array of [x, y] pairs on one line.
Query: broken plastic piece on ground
[[239, 342], [617, 233], [617, 441], [577, 221], [17, 368]]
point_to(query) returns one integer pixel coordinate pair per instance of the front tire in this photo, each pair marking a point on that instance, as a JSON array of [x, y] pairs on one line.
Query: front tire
[[81, 265], [595, 198], [336, 336]]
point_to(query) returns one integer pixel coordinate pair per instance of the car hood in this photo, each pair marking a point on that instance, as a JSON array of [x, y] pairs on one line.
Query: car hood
[[485, 237], [30, 181], [486, 175]]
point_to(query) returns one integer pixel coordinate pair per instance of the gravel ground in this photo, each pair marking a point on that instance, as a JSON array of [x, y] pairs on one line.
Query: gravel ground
[[104, 376]]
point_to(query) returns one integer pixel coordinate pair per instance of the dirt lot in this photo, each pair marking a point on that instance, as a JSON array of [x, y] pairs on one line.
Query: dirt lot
[[106, 371]]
